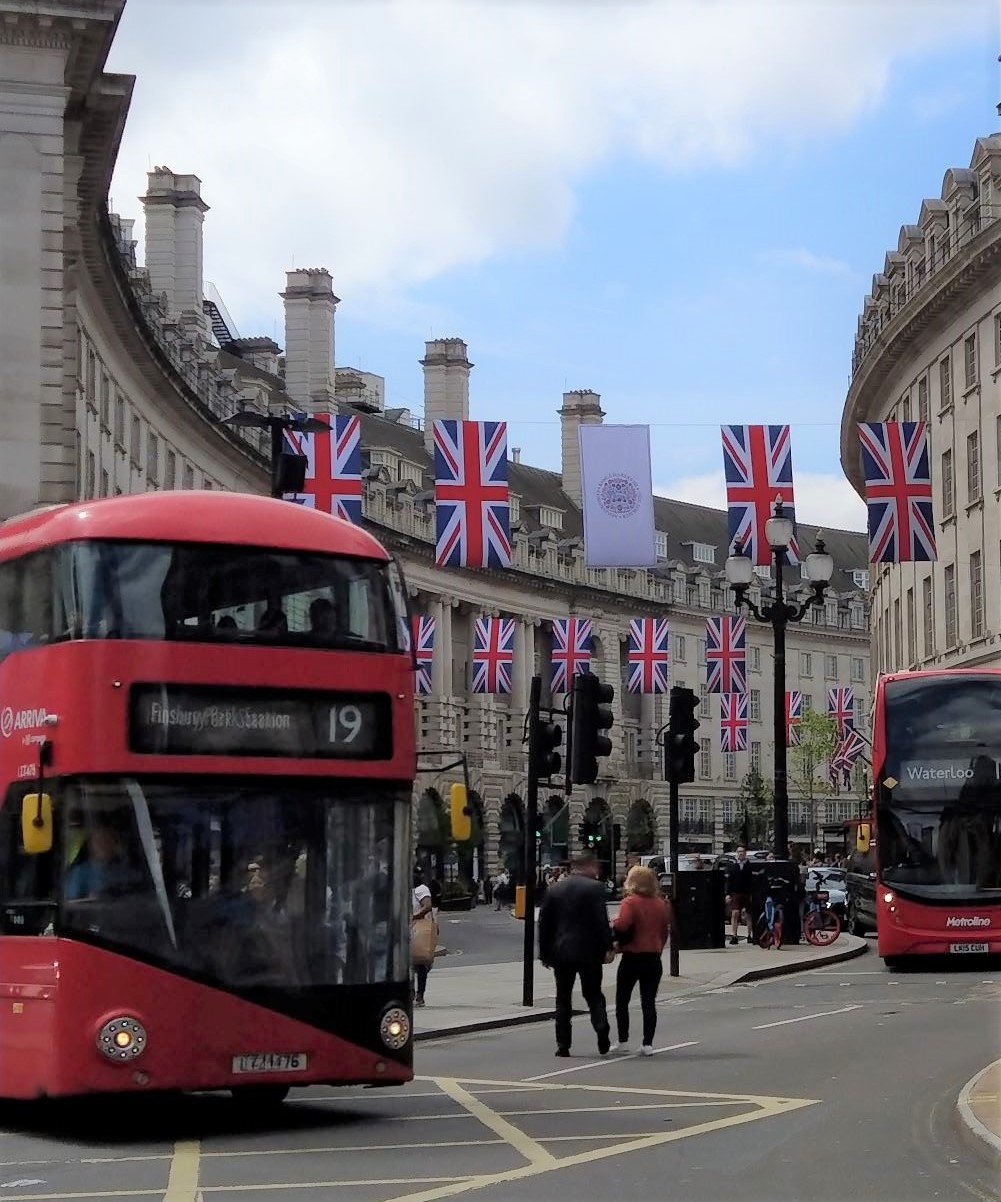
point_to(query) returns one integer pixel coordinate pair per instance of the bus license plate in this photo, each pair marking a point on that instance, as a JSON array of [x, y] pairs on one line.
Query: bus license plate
[[270, 1062], [969, 947]]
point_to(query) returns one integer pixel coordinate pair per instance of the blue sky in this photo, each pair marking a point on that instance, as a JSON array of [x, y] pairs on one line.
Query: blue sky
[[689, 231]]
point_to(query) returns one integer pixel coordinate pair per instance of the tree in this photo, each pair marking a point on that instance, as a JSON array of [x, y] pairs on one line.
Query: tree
[[808, 763], [753, 821]]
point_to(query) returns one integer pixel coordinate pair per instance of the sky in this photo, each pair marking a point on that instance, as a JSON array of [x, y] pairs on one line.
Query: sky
[[678, 205]]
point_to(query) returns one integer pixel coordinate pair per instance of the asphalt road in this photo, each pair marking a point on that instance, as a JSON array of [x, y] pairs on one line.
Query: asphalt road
[[830, 1085], [481, 936]]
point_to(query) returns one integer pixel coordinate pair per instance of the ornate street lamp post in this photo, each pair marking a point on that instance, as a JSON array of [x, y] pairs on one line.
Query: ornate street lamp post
[[818, 569]]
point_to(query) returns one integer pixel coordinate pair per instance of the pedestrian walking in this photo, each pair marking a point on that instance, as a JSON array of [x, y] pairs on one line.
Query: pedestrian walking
[[501, 882], [641, 928], [423, 938], [575, 939], [738, 895]]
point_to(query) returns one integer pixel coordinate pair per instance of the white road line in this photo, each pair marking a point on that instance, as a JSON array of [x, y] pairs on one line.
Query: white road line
[[805, 1018], [579, 1068]]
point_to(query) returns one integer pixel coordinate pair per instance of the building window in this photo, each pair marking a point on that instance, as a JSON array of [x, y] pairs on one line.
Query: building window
[[702, 653], [729, 765], [514, 508], [858, 668], [807, 702], [976, 595], [951, 614], [152, 457], [754, 659], [973, 467], [831, 667], [678, 648], [860, 578], [135, 445], [905, 407], [703, 553], [929, 617], [898, 635], [945, 382], [705, 758], [704, 594], [551, 518], [856, 615], [755, 754], [661, 544], [858, 707], [91, 469], [189, 476], [911, 626], [105, 402], [948, 486], [997, 339], [105, 484], [120, 420], [704, 710], [805, 663], [170, 470], [754, 706], [92, 380], [923, 399], [970, 359], [831, 613]]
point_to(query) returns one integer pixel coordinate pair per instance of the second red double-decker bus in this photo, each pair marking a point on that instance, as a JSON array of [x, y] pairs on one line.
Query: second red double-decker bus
[[937, 812], [207, 756]]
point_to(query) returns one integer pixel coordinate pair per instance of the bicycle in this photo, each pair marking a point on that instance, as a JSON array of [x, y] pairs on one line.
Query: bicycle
[[821, 926], [768, 930]]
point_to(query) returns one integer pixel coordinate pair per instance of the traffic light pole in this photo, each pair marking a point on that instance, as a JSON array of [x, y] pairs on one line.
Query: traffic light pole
[[674, 839], [531, 819]]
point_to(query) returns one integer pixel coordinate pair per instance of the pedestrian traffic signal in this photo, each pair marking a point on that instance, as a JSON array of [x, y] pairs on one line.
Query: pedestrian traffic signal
[[590, 835], [591, 716], [679, 767], [460, 815], [547, 736]]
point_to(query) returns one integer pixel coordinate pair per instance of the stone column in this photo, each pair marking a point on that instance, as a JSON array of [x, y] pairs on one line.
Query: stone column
[[446, 384], [309, 338]]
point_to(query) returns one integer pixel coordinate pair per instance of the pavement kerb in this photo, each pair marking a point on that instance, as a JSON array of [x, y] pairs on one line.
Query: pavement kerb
[[987, 1142], [722, 981]]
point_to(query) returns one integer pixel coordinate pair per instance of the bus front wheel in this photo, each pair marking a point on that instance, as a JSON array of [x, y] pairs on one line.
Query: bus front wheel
[[259, 1097]]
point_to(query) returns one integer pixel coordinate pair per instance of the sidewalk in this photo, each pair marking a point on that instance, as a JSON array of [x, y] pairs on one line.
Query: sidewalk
[[979, 1111], [482, 997]]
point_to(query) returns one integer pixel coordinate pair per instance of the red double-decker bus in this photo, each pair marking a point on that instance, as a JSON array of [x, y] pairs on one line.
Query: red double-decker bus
[[937, 813], [207, 755]]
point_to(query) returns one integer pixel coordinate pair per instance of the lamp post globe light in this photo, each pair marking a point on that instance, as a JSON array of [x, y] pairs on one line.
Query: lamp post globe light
[[818, 568]]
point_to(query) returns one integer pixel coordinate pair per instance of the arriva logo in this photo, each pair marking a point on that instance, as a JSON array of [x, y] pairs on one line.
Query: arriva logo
[[12, 720], [954, 920]]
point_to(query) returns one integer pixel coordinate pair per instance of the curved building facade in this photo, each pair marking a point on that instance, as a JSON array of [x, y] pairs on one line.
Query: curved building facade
[[929, 349], [118, 377]]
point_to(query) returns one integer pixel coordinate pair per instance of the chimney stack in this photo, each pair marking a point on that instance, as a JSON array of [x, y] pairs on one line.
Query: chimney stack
[[580, 408], [309, 338], [446, 384], [175, 212]]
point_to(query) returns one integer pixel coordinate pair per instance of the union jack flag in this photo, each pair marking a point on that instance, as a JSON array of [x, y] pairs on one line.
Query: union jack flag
[[895, 462], [841, 707], [493, 655], [471, 495], [649, 655], [844, 758], [794, 717], [726, 655], [422, 641], [333, 465], [757, 461], [571, 651], [733, 722]]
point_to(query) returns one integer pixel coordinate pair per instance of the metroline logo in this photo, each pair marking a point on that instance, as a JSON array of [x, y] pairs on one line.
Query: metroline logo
[[12, 720], [956, 920]]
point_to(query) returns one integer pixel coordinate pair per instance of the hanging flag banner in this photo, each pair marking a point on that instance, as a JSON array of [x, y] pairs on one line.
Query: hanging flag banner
[[757, 462], [472, 507], [422, 641], [493, 655], [794, 717], [845, 757], [649, 655], [841, 707], [896, 466], [733, 722], [726, 655], [617, 492], [333, 465], [571, 651]]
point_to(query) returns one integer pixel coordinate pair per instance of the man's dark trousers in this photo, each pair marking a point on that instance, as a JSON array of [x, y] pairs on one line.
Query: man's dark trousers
[[590, 986]]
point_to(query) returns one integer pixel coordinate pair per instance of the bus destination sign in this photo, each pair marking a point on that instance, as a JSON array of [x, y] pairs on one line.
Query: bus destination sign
[[173, 719]]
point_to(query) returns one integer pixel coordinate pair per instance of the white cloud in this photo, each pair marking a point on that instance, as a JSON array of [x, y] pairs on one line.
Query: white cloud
[[809, 261], [822, 499], [392, 141]]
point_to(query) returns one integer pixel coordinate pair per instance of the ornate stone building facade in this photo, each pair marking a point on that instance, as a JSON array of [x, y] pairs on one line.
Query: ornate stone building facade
[[119, 377], [929, 349]]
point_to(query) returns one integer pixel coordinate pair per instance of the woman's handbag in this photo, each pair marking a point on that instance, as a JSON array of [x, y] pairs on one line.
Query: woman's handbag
[[423, 939]]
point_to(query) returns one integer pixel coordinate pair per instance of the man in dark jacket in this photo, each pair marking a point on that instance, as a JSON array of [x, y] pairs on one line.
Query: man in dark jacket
[[738, 895], [575, 938]]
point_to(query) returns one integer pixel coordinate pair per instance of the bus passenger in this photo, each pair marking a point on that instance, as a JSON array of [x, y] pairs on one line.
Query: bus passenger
[[322, 618], [100, 868], [273, 620]]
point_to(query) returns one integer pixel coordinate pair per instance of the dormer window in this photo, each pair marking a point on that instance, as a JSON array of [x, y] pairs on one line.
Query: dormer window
[[764, 570], [410, 471], [703, 553], [661, 544], [382, 458], [514, 508], [550, 517], [860, 578]]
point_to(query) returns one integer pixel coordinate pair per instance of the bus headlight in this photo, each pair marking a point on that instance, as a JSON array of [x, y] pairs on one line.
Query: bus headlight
[[122, 1039], [394, 1030], [888, 897]]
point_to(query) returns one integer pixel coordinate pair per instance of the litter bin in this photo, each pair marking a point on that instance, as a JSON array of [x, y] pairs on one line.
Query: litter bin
[[519, 901], [781, 879], [699, 909]]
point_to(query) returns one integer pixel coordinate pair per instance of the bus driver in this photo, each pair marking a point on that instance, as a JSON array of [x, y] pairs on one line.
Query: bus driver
[[100, 868]]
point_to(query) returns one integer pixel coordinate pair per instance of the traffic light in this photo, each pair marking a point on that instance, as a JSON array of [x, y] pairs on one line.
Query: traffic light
[[591, 716], [460, 815], [681, 742], [548, 736]]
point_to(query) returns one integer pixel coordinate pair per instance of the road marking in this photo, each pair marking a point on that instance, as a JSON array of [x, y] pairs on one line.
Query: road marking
[[438, 1143], [805, 1018], [182, 1184], [579, 1068], [532, 1151]]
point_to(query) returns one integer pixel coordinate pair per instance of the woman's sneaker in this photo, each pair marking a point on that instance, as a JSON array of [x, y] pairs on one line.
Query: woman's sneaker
[[646, 1050], [619, 1047]]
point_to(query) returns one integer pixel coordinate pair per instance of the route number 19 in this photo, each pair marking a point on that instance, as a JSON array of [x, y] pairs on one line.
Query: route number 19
[[345, 724]]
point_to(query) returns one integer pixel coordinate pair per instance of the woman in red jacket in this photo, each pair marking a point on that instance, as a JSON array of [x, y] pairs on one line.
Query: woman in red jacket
[[641, 929]]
